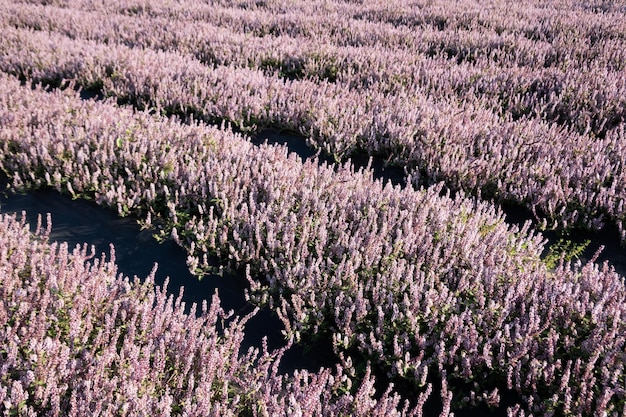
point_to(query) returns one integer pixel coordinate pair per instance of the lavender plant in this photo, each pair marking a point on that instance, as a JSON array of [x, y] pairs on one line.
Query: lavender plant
[[564, 176], [77, 339], [423, 285], [565, 94], [539, 33], [507, 65]]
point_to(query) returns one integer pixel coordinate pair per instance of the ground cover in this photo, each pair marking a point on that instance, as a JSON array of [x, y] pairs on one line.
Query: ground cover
[[566, 175], [420, 284], [436, 292], [80, 340]]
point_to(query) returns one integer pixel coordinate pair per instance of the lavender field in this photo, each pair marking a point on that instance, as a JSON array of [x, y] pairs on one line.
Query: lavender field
[[434, 300]]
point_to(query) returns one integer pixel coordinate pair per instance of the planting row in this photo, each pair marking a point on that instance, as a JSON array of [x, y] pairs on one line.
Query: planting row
[[77, 340], [424, 286], [586, 95], [583, 42], [566, 31], [559, 174]]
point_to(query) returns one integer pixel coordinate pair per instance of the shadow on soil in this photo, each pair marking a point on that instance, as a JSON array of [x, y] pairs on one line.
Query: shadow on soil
[[136, 251]]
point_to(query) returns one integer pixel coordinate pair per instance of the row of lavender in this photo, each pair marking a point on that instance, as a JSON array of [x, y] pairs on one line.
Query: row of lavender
[[560, 174], [422, 285], [545, 41], [582, 89], [399, 25], [78, 340]]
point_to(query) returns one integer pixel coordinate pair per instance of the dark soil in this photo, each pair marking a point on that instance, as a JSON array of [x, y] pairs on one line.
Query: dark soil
[[136, 252]]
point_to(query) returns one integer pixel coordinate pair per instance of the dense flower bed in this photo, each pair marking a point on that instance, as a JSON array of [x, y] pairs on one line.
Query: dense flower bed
[[521, 102], [545, 131], [531, 68], [78, 340], [422, 285]]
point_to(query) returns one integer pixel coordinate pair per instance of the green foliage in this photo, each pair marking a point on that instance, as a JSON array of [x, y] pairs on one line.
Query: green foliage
[[564, 249]]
